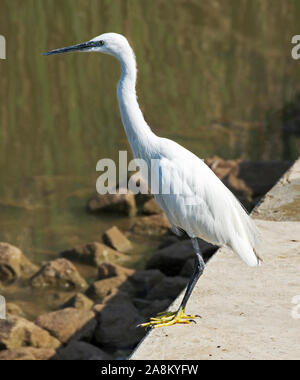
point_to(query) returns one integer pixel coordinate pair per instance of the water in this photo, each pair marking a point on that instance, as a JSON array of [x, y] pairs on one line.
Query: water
[[212, 75]]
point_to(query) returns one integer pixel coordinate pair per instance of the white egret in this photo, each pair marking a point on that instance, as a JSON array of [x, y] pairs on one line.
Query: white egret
[[204, 208]]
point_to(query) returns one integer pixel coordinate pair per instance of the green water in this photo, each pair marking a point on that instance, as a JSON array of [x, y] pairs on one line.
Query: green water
[[212, 75]]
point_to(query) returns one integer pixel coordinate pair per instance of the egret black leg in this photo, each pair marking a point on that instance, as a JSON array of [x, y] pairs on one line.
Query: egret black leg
[[198, 271], [169, 318]]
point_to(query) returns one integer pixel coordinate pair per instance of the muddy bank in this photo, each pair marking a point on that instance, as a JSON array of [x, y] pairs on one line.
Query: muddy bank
[[87, 302]]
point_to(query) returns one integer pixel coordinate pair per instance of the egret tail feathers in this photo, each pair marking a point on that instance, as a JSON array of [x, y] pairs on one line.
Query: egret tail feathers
[[246, 252]]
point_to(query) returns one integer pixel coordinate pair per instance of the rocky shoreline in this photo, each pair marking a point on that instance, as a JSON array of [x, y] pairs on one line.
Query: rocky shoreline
[[93, 313]]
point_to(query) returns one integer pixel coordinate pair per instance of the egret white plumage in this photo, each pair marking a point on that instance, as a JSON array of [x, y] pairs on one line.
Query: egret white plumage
[[204, 207]]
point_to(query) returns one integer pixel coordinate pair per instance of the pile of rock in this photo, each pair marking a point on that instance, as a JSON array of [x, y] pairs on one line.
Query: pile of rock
[[14, 264], [97, 317]]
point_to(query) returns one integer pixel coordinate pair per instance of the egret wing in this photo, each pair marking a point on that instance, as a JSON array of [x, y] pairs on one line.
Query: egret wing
[[195, 200]]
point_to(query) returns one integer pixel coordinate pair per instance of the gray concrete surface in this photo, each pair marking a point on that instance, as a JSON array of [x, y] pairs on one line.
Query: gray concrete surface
[[282, 203], [246, 313]]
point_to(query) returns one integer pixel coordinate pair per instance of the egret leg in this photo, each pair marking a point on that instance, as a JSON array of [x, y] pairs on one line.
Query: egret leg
[[171, 318], [198, 271]]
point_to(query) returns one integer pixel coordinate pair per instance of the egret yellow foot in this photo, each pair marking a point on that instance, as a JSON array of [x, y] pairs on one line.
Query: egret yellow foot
[[170, 318]]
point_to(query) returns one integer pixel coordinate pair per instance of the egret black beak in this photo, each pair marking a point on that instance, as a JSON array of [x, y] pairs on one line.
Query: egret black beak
[[79, 47]]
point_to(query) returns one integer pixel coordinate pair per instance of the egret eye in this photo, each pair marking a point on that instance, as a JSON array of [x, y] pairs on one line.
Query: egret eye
[[101, 43]]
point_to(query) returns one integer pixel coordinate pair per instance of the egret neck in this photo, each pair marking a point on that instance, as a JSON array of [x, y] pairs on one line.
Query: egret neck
[[137, 130]]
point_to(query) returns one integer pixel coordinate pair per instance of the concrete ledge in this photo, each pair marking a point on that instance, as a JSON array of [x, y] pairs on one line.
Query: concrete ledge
[[246, 313], [282, 202]]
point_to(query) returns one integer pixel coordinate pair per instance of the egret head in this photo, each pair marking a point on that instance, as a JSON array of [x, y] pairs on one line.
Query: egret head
[[108, 43]]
